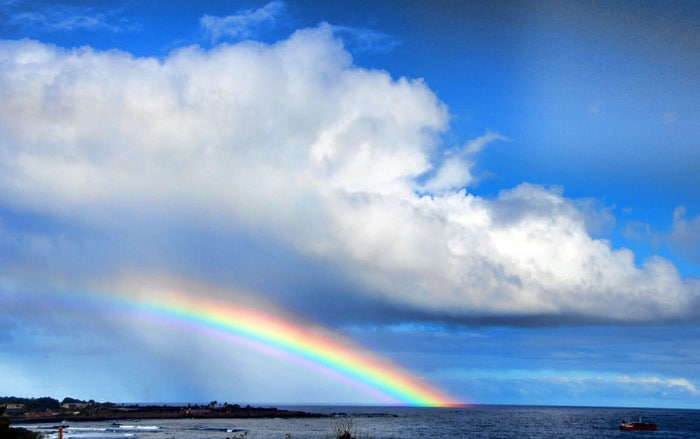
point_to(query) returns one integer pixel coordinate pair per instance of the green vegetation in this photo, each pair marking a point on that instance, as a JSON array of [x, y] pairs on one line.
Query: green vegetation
[[32, 404], [31, 410], [7, 432], [343, 428], [26, 410]]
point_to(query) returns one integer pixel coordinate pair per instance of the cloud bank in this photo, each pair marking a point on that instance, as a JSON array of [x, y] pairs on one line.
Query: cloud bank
[[293, 143]]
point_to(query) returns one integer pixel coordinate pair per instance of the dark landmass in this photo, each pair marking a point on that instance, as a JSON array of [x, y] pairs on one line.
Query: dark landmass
[[49, 410], [7, 432]]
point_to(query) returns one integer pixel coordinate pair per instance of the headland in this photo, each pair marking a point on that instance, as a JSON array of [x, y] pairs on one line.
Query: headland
[[49, 410]]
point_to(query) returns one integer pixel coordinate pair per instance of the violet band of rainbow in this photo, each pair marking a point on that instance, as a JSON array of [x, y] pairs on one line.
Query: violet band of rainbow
[[371, 371]]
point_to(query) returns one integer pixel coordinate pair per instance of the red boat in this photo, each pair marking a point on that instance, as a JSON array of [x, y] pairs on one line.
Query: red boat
[[637, 426]]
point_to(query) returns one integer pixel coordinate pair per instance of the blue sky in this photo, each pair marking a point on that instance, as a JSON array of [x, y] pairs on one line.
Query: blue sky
[[498, 196]]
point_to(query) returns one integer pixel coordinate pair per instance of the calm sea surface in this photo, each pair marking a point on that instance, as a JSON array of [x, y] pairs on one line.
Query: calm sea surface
[[408, 423]]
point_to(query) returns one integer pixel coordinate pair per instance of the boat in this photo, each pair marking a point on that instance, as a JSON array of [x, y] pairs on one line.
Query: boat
[[637, 425]]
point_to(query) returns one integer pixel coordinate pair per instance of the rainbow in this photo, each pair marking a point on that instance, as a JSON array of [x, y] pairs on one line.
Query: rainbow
[[312, 346]]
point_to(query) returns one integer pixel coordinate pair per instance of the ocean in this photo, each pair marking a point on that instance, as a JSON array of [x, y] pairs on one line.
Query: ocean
[[503, 422]]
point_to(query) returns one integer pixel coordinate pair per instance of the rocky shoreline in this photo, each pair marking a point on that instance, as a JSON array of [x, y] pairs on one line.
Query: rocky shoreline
[[81, 411], [164, 412]]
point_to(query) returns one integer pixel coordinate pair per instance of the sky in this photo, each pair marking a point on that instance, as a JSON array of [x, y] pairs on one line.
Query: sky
[[498, 198]]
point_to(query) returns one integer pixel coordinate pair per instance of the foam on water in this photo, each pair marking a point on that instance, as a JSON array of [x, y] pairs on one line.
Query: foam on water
[[506, 422]]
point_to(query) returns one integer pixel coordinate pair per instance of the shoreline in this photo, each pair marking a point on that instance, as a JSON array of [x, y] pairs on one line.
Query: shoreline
[[165, 412]]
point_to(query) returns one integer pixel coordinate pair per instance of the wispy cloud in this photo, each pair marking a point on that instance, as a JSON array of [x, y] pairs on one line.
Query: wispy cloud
[[586, 378], [364, 40], [685, 234], [670, 118], [632, 384], [660, 382], [683, 238], [65, 18], [589, 388], [244, 24], [455, 170]]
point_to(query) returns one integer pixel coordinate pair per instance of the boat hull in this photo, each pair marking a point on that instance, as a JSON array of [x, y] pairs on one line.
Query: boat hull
[[637, 426]]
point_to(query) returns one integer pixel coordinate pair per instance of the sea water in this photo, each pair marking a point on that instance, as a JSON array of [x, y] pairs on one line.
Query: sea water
[[504, 422]]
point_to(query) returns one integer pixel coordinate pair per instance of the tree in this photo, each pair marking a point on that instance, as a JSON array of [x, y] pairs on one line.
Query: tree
[[7, 432], [69, 400]]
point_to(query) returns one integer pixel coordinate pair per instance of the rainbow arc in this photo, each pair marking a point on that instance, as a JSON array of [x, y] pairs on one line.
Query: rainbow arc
[[340, 356]]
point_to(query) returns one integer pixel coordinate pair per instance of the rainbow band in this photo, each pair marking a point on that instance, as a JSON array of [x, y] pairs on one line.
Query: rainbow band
[[339, 356]]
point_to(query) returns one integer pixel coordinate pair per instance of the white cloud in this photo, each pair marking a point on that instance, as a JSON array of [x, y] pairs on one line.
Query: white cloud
[[588, 379], [455, 171], [243, 24], [525, 252], [670, 118], [588, 388], [294, 141], [685, 234], [365, 40], [683, 239], [69, 18], [657, 382], [478, 144]]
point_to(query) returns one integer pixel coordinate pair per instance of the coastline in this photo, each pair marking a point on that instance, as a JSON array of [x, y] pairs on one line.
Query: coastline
[[503, 421], [165, 412]]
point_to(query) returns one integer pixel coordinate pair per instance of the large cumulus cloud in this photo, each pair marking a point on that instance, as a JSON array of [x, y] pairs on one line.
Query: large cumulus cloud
[[339, 163]]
